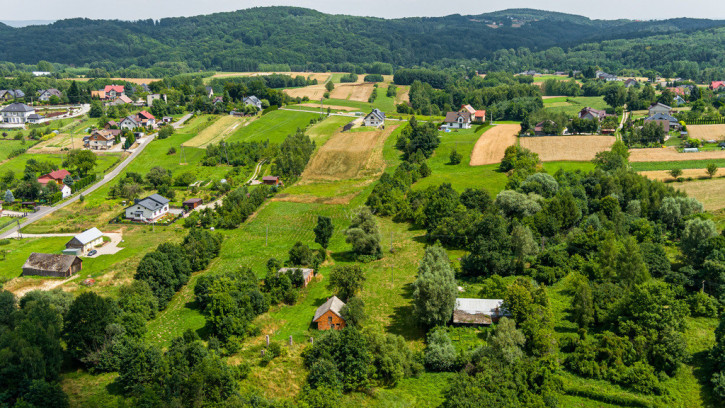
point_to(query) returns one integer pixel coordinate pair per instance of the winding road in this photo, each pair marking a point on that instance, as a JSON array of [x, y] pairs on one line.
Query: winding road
[[108, 177]]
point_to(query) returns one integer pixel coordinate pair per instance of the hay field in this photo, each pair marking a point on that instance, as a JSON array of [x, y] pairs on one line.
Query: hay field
[[348, 155], [492, 144], [686, 173], [59, 142], [325, 106], [314, 92], [567, 148], [217, 131], [656, 154], [319, 76], [706, 132], [358, 91], [711, 193]]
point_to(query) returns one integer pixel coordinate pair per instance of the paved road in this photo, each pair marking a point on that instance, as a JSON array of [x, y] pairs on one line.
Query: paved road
[[31, 218], [181, 121]]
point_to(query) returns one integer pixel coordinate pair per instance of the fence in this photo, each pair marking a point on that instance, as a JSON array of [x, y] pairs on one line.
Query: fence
[[720, 121]]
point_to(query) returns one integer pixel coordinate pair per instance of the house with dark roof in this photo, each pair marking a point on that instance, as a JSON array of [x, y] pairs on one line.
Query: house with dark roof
[[44, 95], [10, 94], [148, 209], [272, 181], [592, 114], [129, 122], [102, 139], [375, 118], [606, 77], [192, 203], [630, 83], [329, 315], [457, 120], [18, 113], [666, 121], [469, 311], [253, 100], [55, 265], [86, 240]]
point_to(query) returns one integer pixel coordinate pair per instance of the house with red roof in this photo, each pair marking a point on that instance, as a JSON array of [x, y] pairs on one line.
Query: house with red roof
[[114, 91], [717, 85], [479, 116], [57, 176]]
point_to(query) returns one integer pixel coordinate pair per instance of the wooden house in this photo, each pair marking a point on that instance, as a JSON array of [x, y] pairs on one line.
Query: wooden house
[[192, 203], [55, 265], [271, 181], [328, 316]]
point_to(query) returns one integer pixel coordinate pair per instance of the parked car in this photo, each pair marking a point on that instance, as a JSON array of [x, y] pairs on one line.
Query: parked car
[[92, 252]]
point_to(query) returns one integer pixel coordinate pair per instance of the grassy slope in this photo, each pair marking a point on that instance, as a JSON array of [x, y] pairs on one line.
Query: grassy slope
[[574, 104], [687, 164], [274, 126], [17, 164], [7, 146]]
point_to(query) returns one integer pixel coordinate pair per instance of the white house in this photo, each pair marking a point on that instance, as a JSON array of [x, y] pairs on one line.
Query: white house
[[44, 95], [374, 118], [101, 139], [86, 240], [149, 209], [17, 113], [129, 122], [458, 120], [253, 100], [65, 190]]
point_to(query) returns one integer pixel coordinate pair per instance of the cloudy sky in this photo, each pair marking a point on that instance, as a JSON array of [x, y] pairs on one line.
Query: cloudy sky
[[143, 9]]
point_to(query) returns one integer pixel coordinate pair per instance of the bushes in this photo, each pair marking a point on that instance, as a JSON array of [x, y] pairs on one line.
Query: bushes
[[348, 78], [294, 154], [237, 206], [374, 78]]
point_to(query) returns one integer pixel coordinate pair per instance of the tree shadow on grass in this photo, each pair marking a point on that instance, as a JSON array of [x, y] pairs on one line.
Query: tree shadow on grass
[[114, 388], [702, 372], [403, 321], [345, 256]]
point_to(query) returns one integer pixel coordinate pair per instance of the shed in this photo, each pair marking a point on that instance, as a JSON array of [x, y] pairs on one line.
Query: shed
[[690, 150], [86, 240], [192, 203], [56, 265], [307, 274], [271, 180], [328, 316], [478, 311]]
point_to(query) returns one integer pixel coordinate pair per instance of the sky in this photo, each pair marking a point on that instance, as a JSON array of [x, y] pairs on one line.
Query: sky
[[144, 9]]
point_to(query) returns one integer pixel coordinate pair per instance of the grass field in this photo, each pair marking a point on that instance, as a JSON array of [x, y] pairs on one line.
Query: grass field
[[573, 104], [7, 146], [684, 164], [17, 164], [219, 130], [710, 192], [17, 251], [274, 126], [567, 148]]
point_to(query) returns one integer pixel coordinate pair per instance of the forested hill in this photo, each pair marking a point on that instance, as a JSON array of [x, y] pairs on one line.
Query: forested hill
[[300, 37]]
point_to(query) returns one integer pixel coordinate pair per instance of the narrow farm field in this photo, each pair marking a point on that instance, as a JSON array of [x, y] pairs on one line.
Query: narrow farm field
[[567, 148], [663, 175], [137, 81], [667, 165], [325, 106], [217, 131], [492, 144], [573, 104], [320, 132], [706, 132], [671, 154], [383, 102], [313, 92], [352, 91], [274, 126], [321, 77]]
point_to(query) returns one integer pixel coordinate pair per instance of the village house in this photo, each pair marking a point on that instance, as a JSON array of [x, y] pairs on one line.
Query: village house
[[57, 176], [375, 118], [605, 76], [469, 311], [592, 114], [129, 122], [85, 241], [539, 128], [10, 94], [254, 101], [665, 120], [328, 316], [457, 120], [113, 91], [55, 265], [307, 274], [101, 139], [17, 113], [167, 119], [152, 97], [192, 203], [209, 92], [272, 181], [630, 83], [217, 99], [121, 100], [111, 124], [659, 108], [146, 119], [44, 95], [468, 108], [680, 100], [35, 118], [149, 209], [717, 85]]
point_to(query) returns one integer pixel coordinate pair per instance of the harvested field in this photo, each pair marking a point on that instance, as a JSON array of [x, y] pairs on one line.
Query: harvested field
[[402, 96], [314, 92], [351, 91], [706, 132], [312, 199], [711, 193], [656, 154], [319, 76], [567, 148], [492, 144], [349, 155], [217, 131], [325, 106], [686, 173]]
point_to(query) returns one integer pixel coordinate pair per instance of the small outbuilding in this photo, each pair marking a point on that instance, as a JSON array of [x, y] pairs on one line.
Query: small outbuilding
[[55, 265], [86, 240], [307, 274], [271, 181], [192, 203], [328, 316], [469, 311]]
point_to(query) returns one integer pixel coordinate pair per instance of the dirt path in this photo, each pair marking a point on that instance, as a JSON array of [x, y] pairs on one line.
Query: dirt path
[[657, 154], [492, 144], [573, 148]]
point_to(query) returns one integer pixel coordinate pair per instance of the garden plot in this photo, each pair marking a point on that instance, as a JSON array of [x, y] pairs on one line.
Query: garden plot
[[567, 148]]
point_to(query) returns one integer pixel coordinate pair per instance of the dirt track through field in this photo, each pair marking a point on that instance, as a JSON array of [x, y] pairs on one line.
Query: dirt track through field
[[348, 155], [492, 144], [657, 154], [571, 148], [706, 132]]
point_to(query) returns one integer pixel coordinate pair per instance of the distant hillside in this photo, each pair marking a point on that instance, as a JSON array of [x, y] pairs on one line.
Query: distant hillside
[[306, 38]]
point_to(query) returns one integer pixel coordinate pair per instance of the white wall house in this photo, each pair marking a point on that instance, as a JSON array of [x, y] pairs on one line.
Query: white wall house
[[101, 140], [374, 118], [66, 191], [458, 120], [129, 122], [149, 209], [17, 113], [86, 240]]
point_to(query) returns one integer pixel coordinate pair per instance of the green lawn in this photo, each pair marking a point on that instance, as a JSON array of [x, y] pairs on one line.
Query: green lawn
[[685, 164], [18, 250], [383, 102], [571, 105], [8, 145], [274, 126], [363, 106], [17, 164]]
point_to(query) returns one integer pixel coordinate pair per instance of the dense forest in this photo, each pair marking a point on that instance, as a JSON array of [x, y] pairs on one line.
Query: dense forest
[[300, 39]]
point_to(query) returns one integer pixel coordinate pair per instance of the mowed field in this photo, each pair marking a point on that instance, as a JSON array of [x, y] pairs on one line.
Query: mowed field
[[706, 132], [671, 154], [711, 193], [349, 155], [274, 126], [217, 131], [686, 173], [492, 144], [567, 148]]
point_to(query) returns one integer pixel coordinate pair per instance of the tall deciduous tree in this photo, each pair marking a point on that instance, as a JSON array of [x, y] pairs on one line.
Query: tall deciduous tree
[[364, 236], [323, 231], [434, 290], [346, 280], [85, 323]]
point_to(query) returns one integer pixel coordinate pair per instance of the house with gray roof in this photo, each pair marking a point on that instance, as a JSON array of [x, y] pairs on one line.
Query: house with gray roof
[[666, 121], [44, 95], [17, 113], [130, 123], [86, 240], [659, 108], [253, 100], [10, 94], [148, 209], [457, 120], [375, 118], [329, 315]]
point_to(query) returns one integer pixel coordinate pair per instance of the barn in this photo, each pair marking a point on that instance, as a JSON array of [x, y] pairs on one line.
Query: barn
[[328, 316], [55, 265]]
